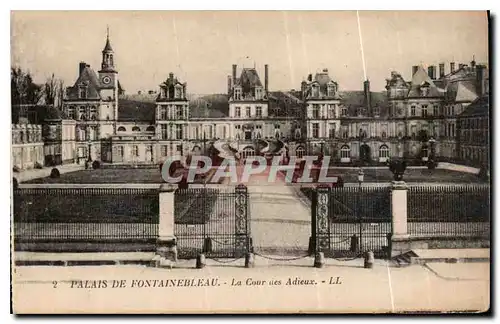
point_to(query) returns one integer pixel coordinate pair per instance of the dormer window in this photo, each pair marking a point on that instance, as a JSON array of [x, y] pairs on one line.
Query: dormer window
[[82, 92], [315, 90], [237, 94], [178, 92], [331, 90], [258, 93]]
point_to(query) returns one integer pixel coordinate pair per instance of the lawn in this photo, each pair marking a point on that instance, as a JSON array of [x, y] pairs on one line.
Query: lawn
[[349, 175]]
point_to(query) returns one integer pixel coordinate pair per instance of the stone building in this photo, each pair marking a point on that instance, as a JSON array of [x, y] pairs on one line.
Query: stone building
[[26, 146], [414, 119]]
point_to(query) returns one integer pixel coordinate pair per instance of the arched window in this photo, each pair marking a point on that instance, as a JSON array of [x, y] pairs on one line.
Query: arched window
[[136, 129], [299, 152], [150, 129], [248, 151], [345, 152], [383, 151], [121, 129]]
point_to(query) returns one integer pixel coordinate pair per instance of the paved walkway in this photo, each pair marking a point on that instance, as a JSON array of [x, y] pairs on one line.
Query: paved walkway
[[280, 223], [31, 174]]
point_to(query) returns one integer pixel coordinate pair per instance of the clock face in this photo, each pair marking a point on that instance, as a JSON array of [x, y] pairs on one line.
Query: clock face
[[106, 80]]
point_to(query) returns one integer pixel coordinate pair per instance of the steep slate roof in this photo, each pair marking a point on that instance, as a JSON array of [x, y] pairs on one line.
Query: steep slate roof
[[479, 107], [248, 81], [209, 106], [421, 78], [461, 91], [90, 78], [284, 104], [134, 110], [356, 99]]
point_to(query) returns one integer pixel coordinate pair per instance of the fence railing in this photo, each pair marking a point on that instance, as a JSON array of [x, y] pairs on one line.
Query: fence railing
[[449, 210], [206, 220], [89, 214]]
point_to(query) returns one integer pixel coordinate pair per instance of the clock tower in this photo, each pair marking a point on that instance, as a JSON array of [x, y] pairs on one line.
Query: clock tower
[[108, 76], [108, 80]]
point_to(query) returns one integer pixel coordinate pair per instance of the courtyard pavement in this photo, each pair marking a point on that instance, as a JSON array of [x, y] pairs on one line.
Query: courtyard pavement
[[32, 174]]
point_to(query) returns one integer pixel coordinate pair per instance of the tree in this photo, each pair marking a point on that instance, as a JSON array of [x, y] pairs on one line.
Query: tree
[[53, 91], [23, 90]]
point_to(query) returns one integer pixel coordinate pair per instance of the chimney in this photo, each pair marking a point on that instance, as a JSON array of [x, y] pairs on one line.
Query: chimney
[[452, 67], [480, 80], [431, 72], [234, 72], [310, 77], [414, 70], [266, 77], [460, 65], [229, 84], [368, 99], [81, 67], [441, 70]]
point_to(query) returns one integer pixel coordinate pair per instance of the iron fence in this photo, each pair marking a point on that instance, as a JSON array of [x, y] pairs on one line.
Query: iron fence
[[85, 214], [351, 220], [461, 210], [212, 221]]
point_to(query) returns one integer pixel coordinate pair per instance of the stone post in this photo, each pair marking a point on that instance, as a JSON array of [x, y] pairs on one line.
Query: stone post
[[166, 246], [399, 238]]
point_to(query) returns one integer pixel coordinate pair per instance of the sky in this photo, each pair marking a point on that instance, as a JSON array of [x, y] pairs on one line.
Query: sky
[[201, 46]]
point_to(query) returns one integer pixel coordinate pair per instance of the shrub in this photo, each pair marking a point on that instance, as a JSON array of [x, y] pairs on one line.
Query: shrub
[[38, 165], [16, 169], [96, 165], [54, 173]]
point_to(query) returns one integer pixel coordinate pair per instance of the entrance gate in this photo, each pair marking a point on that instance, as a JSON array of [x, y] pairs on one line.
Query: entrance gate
[[351, 220], [212, 221]]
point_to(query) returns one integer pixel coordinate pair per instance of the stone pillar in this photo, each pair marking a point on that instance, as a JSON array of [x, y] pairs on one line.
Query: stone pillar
[[166, 246], [399, 238]]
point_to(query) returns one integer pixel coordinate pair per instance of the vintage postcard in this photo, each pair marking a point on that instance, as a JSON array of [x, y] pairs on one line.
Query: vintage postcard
[[188, 162]]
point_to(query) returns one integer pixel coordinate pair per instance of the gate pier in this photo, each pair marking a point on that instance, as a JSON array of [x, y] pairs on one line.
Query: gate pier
[[166, 244]]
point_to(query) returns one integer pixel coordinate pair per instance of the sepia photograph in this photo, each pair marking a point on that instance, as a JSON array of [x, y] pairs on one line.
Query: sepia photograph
[[250, 162]]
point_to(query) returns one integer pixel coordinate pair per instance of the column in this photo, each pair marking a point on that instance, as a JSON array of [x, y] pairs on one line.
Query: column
[[166, 247], [400, 239]]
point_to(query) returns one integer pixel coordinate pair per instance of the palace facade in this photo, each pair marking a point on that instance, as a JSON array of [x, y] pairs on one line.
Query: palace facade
[[414, 118]]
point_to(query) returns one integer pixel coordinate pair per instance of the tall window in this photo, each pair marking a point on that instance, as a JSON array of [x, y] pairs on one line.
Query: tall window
[[343, 111], [248, 111], [435, 110], [237, 112], [71, 112], [345, 152], [331, 90], [93, 112], [331, 130], [258, 93], [331, 111], [164, 131], [81, 112], [164, 150], [258, 111], [119, 151], [178, 131], [315, 130], [413, 110], [315, 111], [163, 112], [135, 150], [413, 131], [424, 110], [178, 111]]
